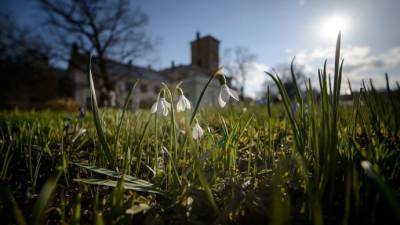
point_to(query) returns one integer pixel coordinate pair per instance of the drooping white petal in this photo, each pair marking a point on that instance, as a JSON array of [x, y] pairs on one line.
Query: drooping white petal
[[233, 93], [154, 107], [165, 107], [180, 106], [188, 104], [183, 104], [197, 132], [161, 107], [167, 104], [223, 97], [165, 111]]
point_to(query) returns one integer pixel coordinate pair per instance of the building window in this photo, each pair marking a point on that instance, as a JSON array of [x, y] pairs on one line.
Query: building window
[[143, 88]]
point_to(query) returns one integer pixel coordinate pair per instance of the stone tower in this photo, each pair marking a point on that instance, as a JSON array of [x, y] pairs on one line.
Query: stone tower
[[205, 52]]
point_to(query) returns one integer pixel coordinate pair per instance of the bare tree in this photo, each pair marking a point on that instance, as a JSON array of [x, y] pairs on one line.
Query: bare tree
[[109, 28], [239, 65]]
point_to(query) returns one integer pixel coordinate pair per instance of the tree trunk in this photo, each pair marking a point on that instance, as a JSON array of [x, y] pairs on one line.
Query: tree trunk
[[106, 84]]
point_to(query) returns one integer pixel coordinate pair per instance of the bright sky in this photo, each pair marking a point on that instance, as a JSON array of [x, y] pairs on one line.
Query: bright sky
[[275, 31]]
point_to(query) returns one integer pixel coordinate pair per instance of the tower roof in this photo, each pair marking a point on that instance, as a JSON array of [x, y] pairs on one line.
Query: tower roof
[[204, 38]]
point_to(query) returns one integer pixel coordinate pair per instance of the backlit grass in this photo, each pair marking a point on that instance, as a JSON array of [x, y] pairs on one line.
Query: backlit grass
[[318, 163]]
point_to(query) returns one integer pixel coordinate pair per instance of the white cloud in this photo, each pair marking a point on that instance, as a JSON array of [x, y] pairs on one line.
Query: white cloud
[[359, 63], [255, 79]]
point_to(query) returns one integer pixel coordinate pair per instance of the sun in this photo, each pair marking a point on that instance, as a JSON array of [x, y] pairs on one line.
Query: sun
[[331, 26]]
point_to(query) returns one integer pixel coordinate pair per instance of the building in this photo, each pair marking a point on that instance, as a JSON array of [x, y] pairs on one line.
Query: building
[[204, 61], [122, 76]]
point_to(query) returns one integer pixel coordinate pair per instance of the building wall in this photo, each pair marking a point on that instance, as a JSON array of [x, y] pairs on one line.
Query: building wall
[[194, 84], [143, 96], [145, 93]]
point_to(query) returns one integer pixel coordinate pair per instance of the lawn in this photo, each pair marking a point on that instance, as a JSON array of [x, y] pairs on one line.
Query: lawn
[[305, 160]]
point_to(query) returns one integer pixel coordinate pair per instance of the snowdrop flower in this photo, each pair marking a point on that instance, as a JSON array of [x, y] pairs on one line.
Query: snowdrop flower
[[161, 106], [197, 131], [183, 102], [225, 93]]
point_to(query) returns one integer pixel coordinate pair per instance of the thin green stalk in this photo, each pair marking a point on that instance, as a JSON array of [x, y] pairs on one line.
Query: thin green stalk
[[156, 142], [126, 103], [173, 143], [96, 118], [44, 198], [138, 147]]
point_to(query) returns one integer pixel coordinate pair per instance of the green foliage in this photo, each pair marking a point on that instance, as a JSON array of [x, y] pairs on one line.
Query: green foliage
[[319, 163]]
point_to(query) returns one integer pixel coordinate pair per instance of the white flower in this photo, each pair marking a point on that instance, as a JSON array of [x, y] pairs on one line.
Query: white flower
[[225, 93], [161, 107], [183, 104], [197, 131]]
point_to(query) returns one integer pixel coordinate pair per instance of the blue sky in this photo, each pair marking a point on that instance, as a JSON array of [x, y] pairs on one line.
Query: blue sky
[[274, 31]]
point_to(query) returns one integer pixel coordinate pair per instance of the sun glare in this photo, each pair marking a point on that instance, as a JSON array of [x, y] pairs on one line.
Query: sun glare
[[330, 27]]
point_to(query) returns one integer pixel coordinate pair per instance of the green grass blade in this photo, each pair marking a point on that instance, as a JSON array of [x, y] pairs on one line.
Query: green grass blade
[[115, 174], [96, 118], [113, 183], [126, 103], [44, 198], [386, 191]]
